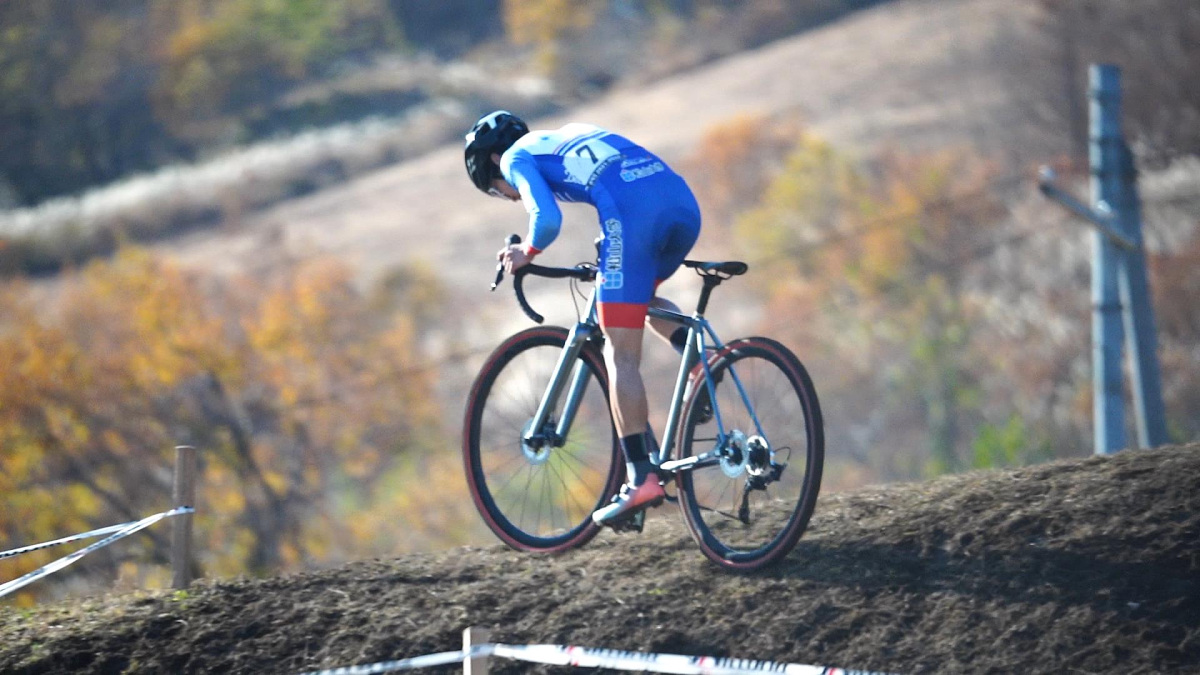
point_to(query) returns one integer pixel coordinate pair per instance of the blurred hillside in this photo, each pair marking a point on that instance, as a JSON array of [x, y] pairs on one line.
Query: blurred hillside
[[98, 91], [311, 307]]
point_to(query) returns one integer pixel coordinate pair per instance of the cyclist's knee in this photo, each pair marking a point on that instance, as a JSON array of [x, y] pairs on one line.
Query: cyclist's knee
[[623, 345]]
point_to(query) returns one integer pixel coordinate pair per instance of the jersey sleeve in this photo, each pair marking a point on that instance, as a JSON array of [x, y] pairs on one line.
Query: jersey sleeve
[[545, 218]]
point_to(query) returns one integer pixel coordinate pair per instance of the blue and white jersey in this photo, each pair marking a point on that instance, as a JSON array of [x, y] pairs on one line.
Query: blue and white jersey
[[570, 164]]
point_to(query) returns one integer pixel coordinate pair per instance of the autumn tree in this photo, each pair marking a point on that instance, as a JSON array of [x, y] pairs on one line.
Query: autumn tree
[[866, 267], [241, 54], [735, 161], [303, 398]]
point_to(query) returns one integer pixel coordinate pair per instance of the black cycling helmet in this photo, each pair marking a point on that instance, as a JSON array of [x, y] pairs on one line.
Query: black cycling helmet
[[492, 134]]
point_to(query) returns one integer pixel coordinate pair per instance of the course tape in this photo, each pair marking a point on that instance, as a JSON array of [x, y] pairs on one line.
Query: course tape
[[66, 540], [427, 661], [586, 657], [115, 531]]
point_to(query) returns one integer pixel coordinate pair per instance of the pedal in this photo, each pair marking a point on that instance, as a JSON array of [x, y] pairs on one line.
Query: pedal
[[631, 523]]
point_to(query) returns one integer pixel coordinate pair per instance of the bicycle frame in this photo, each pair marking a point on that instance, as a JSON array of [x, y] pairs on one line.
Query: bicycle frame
[[698, 329], [567, 442]]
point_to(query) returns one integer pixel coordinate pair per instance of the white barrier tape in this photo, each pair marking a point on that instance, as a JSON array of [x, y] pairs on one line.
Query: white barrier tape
[[586, 657], [66, 540], [125, 529], [427, 661]]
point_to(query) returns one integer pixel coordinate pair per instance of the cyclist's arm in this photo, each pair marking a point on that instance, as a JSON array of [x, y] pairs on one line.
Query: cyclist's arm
[[545, 218]]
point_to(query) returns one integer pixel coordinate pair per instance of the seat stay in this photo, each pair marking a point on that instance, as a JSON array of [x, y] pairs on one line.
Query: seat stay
[[695, 352]]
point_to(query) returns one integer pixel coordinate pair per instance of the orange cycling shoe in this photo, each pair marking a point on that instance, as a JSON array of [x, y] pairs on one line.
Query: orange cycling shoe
[[631, 500]]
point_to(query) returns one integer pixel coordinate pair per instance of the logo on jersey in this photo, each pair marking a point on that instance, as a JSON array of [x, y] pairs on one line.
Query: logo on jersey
[[612, 276], [634, 173]]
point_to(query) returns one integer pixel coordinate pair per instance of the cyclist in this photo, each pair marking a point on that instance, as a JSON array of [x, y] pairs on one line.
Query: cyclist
[[649, 220]]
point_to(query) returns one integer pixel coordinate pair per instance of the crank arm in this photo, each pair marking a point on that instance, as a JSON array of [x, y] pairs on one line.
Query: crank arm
[[694, 462]]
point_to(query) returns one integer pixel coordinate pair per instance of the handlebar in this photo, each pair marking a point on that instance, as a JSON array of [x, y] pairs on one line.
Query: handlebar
[[582, 272]]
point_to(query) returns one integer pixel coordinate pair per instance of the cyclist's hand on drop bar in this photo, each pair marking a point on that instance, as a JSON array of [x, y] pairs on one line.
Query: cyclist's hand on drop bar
[[502, 257], [513, 256]]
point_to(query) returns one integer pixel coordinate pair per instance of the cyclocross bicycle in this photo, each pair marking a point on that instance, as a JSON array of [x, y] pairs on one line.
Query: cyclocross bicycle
[[743, 442]]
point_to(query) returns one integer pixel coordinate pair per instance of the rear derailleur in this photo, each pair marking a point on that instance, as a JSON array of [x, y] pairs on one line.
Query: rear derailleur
[[758, 481]]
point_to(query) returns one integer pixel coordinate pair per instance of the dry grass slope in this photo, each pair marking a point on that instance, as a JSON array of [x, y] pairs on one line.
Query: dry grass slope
[[932, 81], [1076, 566]]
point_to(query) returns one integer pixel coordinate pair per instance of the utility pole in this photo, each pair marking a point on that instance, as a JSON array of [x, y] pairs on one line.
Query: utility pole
[[1120, 290]]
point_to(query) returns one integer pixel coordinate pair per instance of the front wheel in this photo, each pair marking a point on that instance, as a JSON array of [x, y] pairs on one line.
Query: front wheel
[[749, 502], [537, 491]]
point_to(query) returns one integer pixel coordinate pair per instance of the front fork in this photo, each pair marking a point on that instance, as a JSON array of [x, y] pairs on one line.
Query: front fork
[[579, 378], [570, 374]]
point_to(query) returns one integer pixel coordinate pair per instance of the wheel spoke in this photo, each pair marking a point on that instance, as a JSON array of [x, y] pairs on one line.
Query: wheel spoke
[[538, 500], [779, 397]]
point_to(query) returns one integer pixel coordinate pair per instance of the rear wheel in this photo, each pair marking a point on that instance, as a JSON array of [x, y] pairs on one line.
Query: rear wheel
[[539, 495], [749, 503]]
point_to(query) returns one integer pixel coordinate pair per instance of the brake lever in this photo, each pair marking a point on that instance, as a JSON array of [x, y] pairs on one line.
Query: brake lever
[[512, 239]]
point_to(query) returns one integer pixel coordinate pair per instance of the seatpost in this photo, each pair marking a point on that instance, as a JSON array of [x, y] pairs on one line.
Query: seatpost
[[709, 284]]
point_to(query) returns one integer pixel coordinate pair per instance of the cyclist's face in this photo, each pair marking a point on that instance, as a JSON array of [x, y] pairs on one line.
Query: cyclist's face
[[501, 188]]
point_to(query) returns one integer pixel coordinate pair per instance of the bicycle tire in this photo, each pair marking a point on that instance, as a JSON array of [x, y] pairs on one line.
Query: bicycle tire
[[785, 401], [571, 481]]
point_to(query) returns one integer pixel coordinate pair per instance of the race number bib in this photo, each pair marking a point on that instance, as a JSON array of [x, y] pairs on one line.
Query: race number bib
[[584, 162]]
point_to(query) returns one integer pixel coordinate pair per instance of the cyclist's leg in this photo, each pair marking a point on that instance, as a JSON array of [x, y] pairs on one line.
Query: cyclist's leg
[[626, 284], [679, 227], [624, 293], [625, 287], [640, 232], [647, 237], [623, 355]]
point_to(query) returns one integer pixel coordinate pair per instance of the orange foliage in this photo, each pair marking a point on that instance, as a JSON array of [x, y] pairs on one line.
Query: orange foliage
[[297, 391], [735, 161], [864, 268]]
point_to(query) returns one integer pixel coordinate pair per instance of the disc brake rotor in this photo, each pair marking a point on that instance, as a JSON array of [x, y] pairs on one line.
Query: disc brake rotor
[[758, 455]]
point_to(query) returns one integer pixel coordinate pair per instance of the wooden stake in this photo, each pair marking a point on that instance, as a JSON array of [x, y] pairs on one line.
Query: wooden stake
[[184, 495], [471, 637]]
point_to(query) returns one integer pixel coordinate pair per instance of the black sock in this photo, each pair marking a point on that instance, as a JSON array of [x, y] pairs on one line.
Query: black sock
[[637, 457], [651, 444], [679, 339]]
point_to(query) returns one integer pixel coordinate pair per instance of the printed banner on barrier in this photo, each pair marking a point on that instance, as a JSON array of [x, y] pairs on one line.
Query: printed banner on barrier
[[586, 657]]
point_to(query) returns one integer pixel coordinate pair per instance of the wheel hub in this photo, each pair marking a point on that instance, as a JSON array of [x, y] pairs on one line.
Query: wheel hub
[[536, 454], [735, 456]]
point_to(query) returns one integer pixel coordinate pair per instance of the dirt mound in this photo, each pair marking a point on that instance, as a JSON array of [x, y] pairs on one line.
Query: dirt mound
[[1083, 566]]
